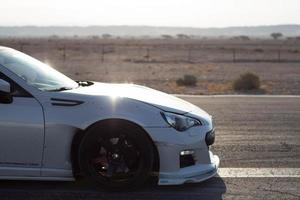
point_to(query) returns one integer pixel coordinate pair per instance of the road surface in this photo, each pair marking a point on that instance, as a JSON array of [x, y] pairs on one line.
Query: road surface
[[258, 142]]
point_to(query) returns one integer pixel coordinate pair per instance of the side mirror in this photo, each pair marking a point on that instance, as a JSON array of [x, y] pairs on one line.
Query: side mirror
[[5, 92]]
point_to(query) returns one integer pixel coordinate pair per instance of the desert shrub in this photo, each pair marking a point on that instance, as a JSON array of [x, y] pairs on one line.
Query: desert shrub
[[241, 38], [106, 36], [293, 51], [167, 36], [259, 50], [247, 81], [182, 36], [95, 37], [187, 80], [276, 36]]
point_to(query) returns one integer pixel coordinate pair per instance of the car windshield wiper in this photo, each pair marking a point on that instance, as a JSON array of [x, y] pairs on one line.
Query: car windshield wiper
[[84, 83], [60, 89]]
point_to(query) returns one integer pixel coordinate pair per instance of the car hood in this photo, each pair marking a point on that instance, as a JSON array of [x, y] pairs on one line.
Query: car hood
[[147, 95]]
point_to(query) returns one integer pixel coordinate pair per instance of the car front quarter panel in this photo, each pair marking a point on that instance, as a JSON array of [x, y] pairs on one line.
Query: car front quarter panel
[[63, 122]]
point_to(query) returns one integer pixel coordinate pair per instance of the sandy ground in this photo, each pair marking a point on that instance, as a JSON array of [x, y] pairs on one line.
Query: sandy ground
[[159, 63]]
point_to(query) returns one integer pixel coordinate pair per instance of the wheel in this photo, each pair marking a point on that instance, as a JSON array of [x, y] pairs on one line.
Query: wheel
[[117, 156]]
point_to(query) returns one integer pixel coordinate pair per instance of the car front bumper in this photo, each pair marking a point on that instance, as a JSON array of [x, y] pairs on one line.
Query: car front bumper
[[171, 143], [192, 174]]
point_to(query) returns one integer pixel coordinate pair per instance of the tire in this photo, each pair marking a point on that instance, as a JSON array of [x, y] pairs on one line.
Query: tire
[[116, 156]]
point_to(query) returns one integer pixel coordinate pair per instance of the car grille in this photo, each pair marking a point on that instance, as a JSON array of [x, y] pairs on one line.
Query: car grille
[[186, 161]]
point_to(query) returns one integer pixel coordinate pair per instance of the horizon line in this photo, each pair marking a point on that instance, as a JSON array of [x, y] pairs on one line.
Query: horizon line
[[154, 26]]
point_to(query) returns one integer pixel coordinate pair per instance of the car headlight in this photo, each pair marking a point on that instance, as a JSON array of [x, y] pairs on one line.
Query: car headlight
[[180, 122]]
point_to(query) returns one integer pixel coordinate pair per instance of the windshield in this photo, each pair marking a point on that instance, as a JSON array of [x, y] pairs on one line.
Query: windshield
[[34, 72]]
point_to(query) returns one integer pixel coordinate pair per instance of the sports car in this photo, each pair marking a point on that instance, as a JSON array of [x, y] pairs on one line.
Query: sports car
[[116, 135]]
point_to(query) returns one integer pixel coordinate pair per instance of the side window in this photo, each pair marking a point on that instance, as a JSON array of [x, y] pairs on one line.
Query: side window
[[17, 91]]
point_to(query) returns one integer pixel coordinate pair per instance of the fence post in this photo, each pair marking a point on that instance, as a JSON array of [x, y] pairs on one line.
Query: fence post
[[189, 54], [102, 53], [147, 56], [22, 47], [64, 53], [234, 55], [279, 55]]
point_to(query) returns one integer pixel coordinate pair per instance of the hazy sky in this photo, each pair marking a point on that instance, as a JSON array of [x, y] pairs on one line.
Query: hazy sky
[[195, 13]]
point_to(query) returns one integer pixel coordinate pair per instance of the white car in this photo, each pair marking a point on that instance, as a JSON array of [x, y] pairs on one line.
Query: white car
[[117, 135]]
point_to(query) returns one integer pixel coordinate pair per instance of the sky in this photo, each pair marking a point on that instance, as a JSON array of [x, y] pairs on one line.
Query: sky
[[182, 13]]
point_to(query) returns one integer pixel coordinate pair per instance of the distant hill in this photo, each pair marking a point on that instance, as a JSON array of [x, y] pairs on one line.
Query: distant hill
[[141, 31]]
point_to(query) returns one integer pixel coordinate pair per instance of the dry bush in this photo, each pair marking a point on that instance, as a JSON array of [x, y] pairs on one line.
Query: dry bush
[[293, 51], [187, 80], [259, 50], [247, 81]]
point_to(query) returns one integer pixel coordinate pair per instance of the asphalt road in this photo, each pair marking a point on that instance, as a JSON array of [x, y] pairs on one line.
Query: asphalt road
[[255, 131], [252, 132]]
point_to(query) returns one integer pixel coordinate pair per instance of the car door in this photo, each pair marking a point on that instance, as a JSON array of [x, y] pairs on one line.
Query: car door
[[21, 134]]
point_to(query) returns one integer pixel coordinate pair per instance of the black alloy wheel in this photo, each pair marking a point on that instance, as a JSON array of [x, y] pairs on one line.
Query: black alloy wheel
[[116, 157]]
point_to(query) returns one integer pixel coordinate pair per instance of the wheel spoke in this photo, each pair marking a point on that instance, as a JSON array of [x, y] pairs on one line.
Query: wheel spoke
[[121, 142], [106, 144], [111, 169], [130, 157], [117, 157]]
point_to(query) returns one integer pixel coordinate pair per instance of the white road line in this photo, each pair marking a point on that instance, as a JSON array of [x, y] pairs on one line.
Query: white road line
[[238, 95], [259, 172]]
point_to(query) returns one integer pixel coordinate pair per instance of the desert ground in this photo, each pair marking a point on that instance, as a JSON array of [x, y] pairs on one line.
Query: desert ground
[[158, 63]]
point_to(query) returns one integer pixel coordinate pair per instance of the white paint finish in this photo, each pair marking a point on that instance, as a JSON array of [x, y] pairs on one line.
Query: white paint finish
[[192, 174], [117, 92], [45, 172], [259, 172], [24, 171], [21, 136]]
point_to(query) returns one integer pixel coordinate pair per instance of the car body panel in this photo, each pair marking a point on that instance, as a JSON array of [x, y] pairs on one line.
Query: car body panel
[[21, 136], [171, 142], [137, 92], [65, 121], [57, 117]]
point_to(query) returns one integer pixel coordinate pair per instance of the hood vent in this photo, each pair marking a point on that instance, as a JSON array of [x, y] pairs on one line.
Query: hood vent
[[65, 102]]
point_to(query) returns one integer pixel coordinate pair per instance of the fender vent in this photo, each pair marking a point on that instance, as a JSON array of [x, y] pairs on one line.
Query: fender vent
[[65, 102]]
